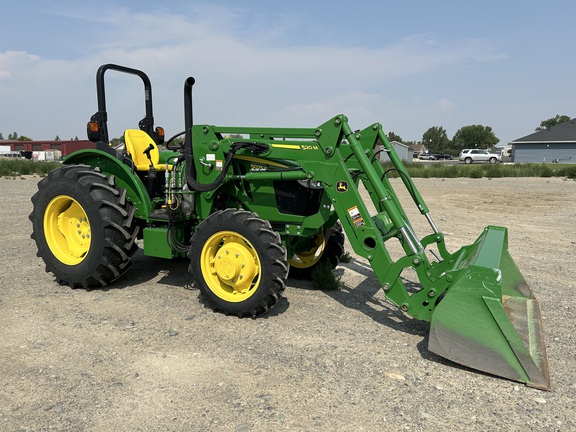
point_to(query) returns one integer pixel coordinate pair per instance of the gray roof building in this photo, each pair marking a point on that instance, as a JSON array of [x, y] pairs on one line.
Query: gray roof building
[[553, 145], [404, 152]]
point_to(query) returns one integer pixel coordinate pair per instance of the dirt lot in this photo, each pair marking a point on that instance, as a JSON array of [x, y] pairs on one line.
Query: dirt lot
[[145, 354]]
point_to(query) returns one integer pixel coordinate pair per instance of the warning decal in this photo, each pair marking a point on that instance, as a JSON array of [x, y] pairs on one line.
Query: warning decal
[[356, 217]]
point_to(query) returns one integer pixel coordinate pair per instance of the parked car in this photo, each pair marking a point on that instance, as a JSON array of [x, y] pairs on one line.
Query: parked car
[[475, 155], [439, 156], [426, 156]]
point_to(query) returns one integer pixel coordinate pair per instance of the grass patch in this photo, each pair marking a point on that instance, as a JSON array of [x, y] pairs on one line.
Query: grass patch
[[346, 257], [440, 170], [476, 173], [494, 171], [10, 167], [569, 172], [323, 277]]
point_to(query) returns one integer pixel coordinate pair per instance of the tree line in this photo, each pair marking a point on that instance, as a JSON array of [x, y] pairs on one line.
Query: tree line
[[436, 140], [15, 137]]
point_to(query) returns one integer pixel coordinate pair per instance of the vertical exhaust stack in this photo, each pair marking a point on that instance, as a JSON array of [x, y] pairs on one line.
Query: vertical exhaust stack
[[188, 123], [191, 180]]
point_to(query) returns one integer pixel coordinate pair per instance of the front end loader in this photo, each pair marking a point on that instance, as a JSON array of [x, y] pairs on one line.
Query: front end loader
[[248, 206]]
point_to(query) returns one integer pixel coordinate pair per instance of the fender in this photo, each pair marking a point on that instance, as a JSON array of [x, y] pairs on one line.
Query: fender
[[135, 190]]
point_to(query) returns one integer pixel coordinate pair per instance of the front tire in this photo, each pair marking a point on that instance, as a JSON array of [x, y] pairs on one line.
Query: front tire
[[468, 160], [493, 160], [238, 263], [82, 225]]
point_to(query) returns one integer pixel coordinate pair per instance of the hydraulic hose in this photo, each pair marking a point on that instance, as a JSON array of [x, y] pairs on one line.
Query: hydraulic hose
[[189, 154]]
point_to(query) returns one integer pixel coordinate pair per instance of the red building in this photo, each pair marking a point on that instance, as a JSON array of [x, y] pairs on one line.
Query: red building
[[64, 146]]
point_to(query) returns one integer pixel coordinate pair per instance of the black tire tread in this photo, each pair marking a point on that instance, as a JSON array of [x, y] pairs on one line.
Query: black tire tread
[[332, 253], [273, 260], [115, 213]]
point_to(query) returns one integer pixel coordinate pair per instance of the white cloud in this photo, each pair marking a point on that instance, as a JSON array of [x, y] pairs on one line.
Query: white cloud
[[445, 105], [356, 105], [16, 60], [243, 77]]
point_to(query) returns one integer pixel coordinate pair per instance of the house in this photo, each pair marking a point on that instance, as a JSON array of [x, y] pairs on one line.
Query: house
[[553, 145], [404, 152], [417, 149]]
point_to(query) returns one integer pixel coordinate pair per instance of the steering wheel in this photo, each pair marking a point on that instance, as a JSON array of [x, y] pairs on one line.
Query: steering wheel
[[172, 138]]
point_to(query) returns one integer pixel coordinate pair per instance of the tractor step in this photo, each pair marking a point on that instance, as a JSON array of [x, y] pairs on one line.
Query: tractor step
[[162, 214]]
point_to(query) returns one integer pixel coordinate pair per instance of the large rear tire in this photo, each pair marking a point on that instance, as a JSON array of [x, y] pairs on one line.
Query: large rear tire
[[238, 263], [326, 247], [82, 225]]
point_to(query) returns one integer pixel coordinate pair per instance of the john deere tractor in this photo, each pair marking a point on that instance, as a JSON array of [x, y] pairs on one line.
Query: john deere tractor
[[247, 205]]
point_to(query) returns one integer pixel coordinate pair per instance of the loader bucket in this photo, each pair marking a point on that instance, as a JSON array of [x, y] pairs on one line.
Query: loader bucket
[[489, 319]]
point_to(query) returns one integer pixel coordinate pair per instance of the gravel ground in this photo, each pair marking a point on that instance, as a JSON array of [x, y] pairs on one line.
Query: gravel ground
[[145, 354]]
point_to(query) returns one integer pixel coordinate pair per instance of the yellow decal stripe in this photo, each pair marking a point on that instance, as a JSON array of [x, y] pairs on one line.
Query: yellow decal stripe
[[287, 146]]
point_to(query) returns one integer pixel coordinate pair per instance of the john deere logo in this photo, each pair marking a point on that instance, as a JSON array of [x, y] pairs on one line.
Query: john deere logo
[[342, 186]]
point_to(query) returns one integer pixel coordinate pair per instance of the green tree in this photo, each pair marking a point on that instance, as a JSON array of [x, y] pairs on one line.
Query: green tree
[[393, 137], [1, 136], [13, 136], [116, 142], [24, 138], [547, 124], [436, 139], [57, 138], [474, 136]]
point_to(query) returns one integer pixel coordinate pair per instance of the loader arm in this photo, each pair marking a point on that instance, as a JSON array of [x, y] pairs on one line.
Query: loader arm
[[340, 160], [482, 313]]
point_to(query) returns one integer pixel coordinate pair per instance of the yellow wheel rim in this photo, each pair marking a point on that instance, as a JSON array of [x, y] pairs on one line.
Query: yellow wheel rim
[[67, 230], [230, 266], [307, 258]]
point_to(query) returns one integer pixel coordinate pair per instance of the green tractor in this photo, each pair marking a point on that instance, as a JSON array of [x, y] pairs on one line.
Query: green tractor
[[248, 205]]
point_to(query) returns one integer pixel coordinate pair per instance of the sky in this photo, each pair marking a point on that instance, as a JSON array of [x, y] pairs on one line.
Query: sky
[[409, 65]]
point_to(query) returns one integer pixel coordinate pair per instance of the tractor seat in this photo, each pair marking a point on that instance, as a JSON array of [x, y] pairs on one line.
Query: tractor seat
[[137, 141]]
